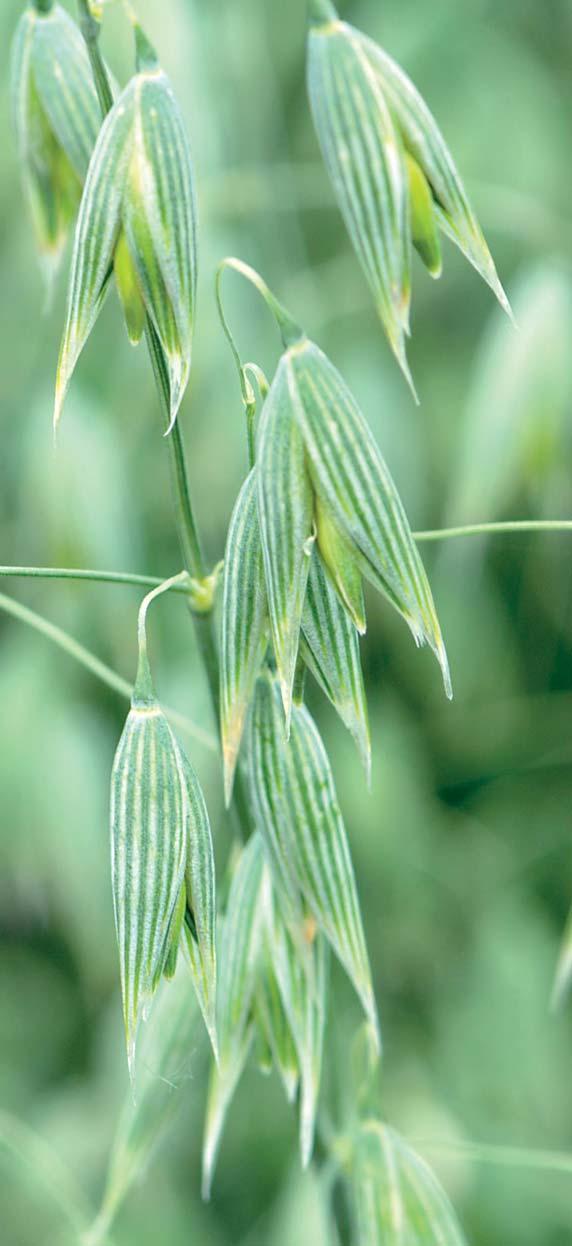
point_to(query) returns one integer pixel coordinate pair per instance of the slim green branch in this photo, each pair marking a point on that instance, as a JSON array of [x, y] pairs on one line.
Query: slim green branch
[[508, 525], [97, 577], [101, 671], [506, 1156], [90, 29]]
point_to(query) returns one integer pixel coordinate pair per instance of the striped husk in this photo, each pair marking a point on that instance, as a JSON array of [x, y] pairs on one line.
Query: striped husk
[[149, 814], [397, 1200], [298, 815]]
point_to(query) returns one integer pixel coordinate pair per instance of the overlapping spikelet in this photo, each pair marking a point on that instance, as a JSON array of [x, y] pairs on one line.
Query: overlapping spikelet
[[56, 128], [393, 175], [137, 218]]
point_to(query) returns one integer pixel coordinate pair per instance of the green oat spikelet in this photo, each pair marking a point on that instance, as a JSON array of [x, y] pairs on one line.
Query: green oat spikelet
[[200, 902], [302, 979], [392, 173], [244, 630], [161, 855], [285, 512], [56, 120], [353, 482], [397, 1199], [240, 952], [329, 645], [364, 158], [299, 818], [137, 215], [322, 480]]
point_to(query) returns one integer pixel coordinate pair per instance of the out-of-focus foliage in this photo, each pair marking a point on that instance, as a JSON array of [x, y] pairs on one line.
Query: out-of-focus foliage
[[462, 850]]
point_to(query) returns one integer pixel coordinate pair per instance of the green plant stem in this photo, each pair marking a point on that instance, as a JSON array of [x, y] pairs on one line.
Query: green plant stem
[[88, 660], [194, 561], [98, 577], [187, 528], [506, 1156], [508, 525], [90, 30]]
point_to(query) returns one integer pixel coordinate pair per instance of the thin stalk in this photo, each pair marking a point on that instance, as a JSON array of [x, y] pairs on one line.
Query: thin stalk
[[187, 528], [90, 30], [505, 525], [506, 1156], [93, 664], [97, 577], [193, 559]]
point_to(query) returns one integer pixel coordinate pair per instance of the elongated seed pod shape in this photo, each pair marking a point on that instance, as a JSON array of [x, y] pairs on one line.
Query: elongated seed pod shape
[[351, 478], [244, 630], [149, 817], [302, 981], [330, 648], [285, 512], [139, 192], [298, 815], [56, 125], [397, 1199], [364, 158], [392, 173], [241, 942]]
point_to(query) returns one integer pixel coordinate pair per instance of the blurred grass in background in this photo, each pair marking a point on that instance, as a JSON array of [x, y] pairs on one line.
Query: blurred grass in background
[[462, 851]]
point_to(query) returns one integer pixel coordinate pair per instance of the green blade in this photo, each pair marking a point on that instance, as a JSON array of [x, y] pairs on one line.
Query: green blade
[[363, 154], [148, 851], [201, 901], [285, 511], [424, 140], [244, 631], [349, 472], [240, 948], [299, 817], [330, 648], [95, 238], [398, 1201], [160, 219]]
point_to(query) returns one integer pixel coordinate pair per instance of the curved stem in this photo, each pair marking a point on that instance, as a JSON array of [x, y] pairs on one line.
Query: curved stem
[[290, 331], [508, 525], [88, 660]]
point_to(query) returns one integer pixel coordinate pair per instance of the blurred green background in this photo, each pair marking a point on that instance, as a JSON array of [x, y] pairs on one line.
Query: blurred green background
[[462, 849]]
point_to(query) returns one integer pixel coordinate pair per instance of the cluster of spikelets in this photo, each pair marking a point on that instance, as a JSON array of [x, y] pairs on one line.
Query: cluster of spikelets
[[318, 513]]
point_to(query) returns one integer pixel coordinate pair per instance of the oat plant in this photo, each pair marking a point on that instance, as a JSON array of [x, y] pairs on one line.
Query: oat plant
[[318, 515]]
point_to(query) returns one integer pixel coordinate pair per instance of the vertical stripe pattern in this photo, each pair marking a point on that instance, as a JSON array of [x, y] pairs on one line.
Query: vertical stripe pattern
[[363, 154], [95, 237], [302, 983], [349, 472], [160, 220], [424, 140], [244, 626], [330, 648], [201, 899], [140, 180], [397, 1200], [285, 511], [149, 813], [240, 953], [292, 782]]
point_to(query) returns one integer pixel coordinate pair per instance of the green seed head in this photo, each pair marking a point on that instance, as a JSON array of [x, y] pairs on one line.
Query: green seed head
[[56, 119], [424, 230], [340, 562], [137, 219]]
